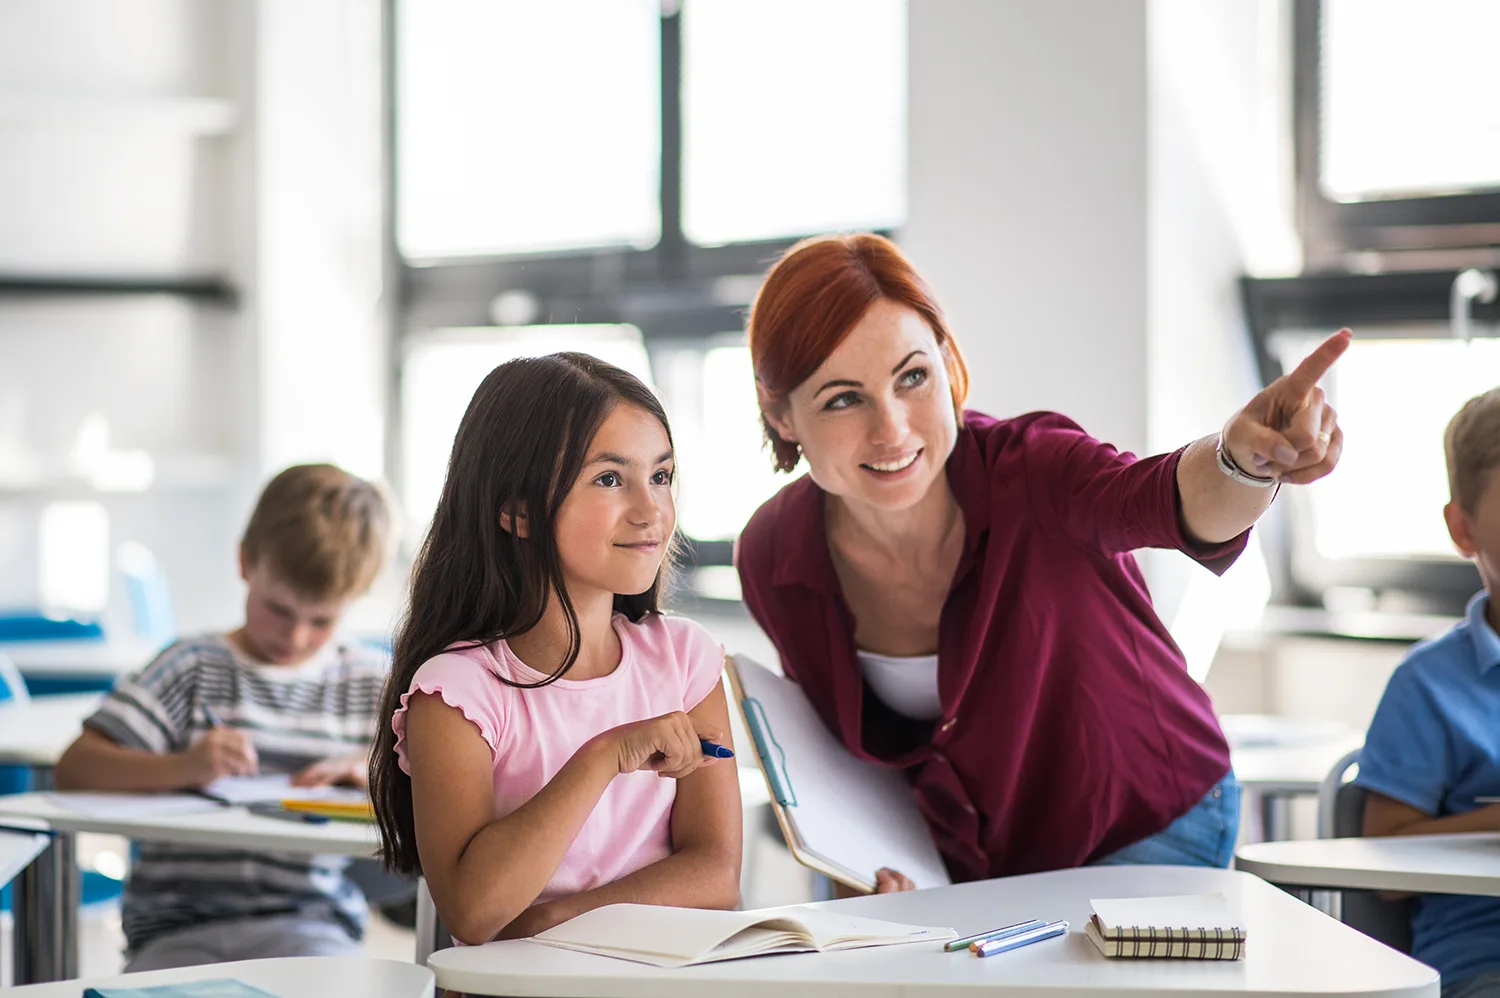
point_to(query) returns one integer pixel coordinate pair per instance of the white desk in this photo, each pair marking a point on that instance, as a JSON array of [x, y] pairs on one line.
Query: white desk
[[17, 850], [46, 897], [80, 658], [221, 827], [35, 732], [1423, 864], [1271, 771], [1292, 950], [288, 977]]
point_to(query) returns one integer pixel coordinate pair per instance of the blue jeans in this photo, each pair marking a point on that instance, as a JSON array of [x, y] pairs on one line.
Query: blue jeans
[[1205, 836]]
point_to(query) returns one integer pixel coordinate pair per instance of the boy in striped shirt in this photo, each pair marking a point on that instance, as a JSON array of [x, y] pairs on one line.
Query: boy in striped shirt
[[279, 694]]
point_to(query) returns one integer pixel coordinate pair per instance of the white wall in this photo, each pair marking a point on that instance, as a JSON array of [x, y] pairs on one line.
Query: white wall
[[1088, 180], [172, 137], [1027, 200]]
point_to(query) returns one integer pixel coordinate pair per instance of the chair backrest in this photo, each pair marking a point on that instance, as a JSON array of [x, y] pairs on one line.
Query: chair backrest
[[12, 685], [150, 596], [431, 935], [1341, 814]]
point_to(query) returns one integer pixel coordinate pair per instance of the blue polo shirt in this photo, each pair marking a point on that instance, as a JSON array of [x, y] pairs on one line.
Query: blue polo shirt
[[1435, 745]]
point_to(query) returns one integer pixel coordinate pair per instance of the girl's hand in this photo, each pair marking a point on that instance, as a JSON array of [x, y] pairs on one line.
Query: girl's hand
[[350, 770], [667, 745]]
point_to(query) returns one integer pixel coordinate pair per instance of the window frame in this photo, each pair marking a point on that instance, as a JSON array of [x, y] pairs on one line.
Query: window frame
[[674, 292], [1333, 231]]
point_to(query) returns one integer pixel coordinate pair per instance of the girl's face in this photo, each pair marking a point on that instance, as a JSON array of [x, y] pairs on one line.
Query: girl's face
[[613, 527], [876, 420]]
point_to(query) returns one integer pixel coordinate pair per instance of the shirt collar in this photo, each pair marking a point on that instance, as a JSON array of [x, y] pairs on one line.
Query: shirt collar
[[1486, 641], [802, 544]]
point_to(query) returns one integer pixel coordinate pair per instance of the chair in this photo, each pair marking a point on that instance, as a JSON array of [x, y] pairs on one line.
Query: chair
[[431, 935], [1341, 814], [13, 779]]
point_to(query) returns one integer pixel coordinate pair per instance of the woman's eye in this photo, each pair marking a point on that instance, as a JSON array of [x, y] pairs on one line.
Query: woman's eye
[[610, 479], [843, 400], [914, 377], [662, 477]]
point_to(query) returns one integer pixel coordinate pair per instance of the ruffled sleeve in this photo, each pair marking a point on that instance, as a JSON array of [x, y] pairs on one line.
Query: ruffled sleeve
[[464, 684]]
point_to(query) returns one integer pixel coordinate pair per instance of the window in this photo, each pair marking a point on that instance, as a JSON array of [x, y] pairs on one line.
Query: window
[[527, 126], [1406, 97], [787, 132], [626, 169], [1394, 399], [1397, 142]]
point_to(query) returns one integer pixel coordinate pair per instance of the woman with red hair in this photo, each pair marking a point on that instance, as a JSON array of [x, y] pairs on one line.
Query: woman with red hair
[[957, 596]]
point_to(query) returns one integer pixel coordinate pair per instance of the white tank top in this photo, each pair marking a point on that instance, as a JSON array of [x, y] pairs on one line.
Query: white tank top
[[907, 684]]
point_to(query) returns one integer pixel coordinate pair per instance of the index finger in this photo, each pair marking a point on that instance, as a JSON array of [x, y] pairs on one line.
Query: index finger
[[1316, 364]]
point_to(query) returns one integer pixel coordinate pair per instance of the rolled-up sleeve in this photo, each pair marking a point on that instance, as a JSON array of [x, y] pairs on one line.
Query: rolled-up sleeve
[[1111, 501]]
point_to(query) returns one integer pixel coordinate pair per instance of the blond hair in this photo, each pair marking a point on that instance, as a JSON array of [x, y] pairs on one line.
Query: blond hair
[[1472, 446], [321, 531]]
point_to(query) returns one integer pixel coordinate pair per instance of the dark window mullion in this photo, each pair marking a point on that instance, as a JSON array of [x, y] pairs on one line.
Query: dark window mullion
[[673, 245]]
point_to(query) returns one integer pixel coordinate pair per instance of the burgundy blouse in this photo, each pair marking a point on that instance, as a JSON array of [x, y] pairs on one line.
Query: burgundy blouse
[[1070, 727]]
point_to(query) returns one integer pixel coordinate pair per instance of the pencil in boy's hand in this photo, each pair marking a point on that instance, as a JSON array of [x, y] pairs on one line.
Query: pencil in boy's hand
[[714, 750]]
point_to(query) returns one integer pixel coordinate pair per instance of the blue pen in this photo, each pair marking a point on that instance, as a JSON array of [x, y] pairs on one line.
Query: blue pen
[[211, 717], [717, 751], [993, 946], [1004, 932]]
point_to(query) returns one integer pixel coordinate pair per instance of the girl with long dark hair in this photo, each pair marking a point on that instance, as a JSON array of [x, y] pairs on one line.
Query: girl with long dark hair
[[539, 753]]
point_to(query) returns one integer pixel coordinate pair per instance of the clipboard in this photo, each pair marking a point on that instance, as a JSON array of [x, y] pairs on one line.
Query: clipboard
[[841, 816]]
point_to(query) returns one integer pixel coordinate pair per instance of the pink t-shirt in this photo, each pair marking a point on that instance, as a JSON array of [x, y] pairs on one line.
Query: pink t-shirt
[[666, 664]]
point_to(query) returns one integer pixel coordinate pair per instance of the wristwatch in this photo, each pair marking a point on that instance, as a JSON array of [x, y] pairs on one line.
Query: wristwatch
[[1238, 474]]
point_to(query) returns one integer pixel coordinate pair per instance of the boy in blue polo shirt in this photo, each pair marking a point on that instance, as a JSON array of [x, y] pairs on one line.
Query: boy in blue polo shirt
[[1434, 744]]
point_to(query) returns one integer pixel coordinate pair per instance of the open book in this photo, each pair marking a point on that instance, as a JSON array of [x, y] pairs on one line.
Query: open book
[[679, 937], [1190, 927]]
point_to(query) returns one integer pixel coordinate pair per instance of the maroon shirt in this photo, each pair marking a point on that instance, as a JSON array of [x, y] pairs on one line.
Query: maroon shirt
[[1071, 727]]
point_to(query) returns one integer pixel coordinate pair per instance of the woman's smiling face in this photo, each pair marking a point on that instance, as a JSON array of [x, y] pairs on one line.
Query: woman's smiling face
[[876, 420]]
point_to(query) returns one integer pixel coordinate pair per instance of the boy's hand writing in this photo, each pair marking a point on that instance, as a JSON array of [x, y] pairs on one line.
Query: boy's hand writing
[[667, 745], [222, 751]]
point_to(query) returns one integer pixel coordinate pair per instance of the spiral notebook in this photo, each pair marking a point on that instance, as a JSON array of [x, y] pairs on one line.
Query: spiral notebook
[[1187, 927]]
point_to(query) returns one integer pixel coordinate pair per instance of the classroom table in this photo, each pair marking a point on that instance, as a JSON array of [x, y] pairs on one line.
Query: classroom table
[[70, 660], [1422, 864], [35, 732], [1271, 774], [17, 850], [1292, 950], [46, 893], [286, 977]]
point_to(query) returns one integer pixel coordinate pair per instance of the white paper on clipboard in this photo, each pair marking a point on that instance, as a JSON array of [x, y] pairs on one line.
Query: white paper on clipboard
[[846, 817]]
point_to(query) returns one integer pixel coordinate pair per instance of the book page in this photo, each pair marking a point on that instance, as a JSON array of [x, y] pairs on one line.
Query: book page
[[679, 935], [856, 815], [274, 788], [1187, 911]]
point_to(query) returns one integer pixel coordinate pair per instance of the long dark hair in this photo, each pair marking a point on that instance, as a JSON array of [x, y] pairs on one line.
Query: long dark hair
[[522, 443]]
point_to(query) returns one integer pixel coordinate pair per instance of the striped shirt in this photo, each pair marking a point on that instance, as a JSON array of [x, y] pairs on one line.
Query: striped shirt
[[295, 715]]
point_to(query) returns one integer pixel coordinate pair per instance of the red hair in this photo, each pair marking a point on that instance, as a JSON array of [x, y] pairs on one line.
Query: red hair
[[810, 300]]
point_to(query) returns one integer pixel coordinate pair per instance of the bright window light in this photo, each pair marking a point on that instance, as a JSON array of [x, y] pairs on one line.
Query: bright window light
[[526, 126], [73, 556], [794, 117], [444, 367], [1407, 97], [1394, 399], [724, 471]]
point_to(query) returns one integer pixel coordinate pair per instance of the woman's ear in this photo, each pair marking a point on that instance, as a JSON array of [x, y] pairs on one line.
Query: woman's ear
[[774, 408], [515, 523], [1458, 528]]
